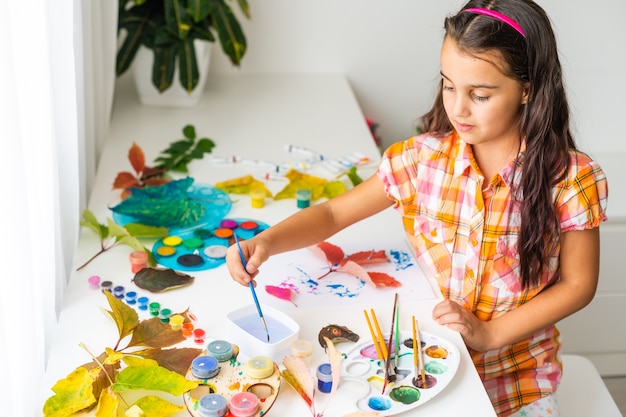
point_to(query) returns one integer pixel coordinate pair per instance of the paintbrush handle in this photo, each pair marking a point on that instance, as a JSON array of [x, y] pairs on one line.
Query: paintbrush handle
[[256, 300]]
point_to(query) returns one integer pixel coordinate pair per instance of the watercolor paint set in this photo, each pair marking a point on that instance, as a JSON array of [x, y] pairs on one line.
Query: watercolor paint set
[[363, 367], [203, 248]]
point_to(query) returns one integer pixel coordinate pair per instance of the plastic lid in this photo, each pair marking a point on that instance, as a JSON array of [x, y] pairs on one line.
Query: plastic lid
[[220, 350], [301, 348], [244, 404], [212, 405], [260, 367], [204, 367]]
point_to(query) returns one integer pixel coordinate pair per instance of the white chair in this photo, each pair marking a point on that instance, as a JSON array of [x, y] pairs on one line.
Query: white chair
[[582, 392]]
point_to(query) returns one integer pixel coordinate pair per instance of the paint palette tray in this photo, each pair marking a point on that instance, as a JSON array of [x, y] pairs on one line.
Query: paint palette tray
[[232, 379], [441, 361], [203, 248], [216, 203]]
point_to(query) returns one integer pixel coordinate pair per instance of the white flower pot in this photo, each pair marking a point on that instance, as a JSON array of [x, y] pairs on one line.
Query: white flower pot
[[175, 95]]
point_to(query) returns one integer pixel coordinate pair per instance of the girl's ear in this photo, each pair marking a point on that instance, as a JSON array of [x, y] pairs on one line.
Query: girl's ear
[[525, 90]]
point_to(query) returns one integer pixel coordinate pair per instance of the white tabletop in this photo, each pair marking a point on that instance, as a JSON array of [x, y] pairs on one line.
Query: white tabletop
[[253, 117]]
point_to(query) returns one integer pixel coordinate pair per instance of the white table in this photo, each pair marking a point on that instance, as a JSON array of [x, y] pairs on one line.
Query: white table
[[253, 117]]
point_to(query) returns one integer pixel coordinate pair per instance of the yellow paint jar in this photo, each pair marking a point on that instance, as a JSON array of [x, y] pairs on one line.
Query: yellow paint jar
[[257, 197]]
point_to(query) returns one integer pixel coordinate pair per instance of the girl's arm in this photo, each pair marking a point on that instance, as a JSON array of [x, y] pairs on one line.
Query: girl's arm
[[579, 269], [308, 227]]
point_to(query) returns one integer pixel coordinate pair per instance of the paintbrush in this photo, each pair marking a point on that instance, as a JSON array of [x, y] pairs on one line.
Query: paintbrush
[[251, 285], [389, 370]]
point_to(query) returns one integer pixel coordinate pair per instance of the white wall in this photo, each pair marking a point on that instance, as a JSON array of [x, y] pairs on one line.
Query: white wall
[[389, 51]]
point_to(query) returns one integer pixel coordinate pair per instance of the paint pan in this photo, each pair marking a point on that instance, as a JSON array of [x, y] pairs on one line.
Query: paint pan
[[247, 331]]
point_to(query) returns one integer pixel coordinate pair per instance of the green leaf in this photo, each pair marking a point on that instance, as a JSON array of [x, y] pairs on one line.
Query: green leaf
[[144, 231], [189, 131], [125, 317], [153, 406], [198, 9], [231, 35], [72, 394], [205, 145], [176, 18], [89, 220], [189, 75], [243, 5], [152, 378], [164, 67]]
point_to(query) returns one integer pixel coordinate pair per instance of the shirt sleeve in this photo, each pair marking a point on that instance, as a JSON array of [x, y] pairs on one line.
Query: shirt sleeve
[[582, 199]]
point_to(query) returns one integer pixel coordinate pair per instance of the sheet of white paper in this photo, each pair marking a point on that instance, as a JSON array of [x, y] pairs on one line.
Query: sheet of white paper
[[300, 271]]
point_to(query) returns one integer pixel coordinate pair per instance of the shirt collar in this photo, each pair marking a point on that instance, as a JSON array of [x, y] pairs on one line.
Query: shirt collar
[[510, 174]]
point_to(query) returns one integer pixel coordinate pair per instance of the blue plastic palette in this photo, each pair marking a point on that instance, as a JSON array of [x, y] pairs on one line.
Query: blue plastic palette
[[216, 204], [203, 248]]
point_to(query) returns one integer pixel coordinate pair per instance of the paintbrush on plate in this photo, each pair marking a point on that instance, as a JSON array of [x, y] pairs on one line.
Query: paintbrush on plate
[[251, 285]]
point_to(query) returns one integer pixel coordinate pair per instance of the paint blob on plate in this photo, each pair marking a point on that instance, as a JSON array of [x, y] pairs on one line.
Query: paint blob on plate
[[408, 391]]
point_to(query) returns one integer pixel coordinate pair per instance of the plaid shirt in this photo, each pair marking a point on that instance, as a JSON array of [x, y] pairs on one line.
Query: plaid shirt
[[465, 233]]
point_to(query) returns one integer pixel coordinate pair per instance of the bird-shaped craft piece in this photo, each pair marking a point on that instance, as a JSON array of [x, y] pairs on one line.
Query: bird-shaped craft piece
[[336, 334]]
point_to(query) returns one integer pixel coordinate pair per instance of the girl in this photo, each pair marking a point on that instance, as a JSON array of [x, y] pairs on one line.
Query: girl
[[497, 202]]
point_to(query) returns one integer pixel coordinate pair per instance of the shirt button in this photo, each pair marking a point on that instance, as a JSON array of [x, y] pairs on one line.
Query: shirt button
[[470, 273], [474, 242]]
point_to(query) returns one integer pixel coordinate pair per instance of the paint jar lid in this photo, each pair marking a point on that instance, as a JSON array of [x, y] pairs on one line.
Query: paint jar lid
[[220, 350], [204, 367], [301, 348], [260, 367], [324, 372], [190, 260], [212, 405], [244, 404]]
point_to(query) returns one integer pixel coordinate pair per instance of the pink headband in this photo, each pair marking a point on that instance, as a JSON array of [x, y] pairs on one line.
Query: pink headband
[[499, 16]]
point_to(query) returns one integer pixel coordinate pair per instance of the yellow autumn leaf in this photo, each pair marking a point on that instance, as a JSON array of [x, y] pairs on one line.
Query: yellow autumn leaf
[[134, 411], [113, 356], [108, 405], [242, 185], [153, 406], [132, 360], [72, 394]]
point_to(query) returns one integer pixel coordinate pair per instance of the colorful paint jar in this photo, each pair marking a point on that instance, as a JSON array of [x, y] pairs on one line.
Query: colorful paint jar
[[187, 329], [176, 322], [257, 198], [212, 405], [94, 282], [118, 291], [155, 308], [220, 350], [130, 297], [138, 260], [198, 336], [204, 367], [244, 404], [303, 198], [260, 367], [142, 303], [324, 378], [164, 315], [106, 285]]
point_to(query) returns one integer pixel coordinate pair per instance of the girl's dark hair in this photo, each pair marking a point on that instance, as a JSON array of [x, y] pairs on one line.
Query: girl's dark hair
[[544, 120]]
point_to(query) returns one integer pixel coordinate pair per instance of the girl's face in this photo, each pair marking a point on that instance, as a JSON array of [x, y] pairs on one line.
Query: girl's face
[[482, 103]]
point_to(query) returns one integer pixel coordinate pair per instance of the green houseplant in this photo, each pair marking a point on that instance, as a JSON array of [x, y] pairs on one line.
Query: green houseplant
[[170, 27]]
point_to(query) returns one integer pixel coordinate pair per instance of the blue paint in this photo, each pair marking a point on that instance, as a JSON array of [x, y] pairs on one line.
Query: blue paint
[[379, 403], [401, 259]]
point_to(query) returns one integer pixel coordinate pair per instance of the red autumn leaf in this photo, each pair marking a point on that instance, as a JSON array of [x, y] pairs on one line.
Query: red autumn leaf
[[368, 257], [137, 158], [383, 280], [149, 172], [154, 181], [280, 292], [125, 180], [334, 254]]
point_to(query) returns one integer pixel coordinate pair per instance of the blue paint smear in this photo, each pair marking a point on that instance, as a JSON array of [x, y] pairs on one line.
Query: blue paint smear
[[379, 403], [401, 259]]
